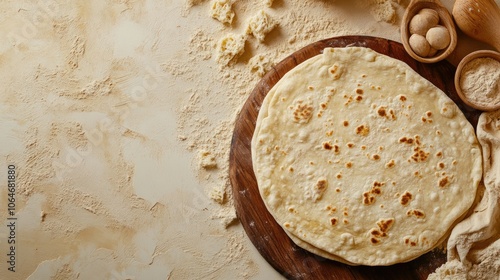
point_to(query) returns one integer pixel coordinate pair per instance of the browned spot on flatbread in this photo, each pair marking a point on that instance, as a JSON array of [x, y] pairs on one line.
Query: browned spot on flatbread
[[381, 112], [410, 242], [385, 224], [368, 198], [419, 155], [334, 70], [390, 164], [302, 113], [376, 188], [427, 117], [327, 145], [417, 140], [384, 112], [416, 213], [336, 149], [321, 185], [444, 182], [362, 130], [383, 227], [405, 198], [406, 140], [377, 233]]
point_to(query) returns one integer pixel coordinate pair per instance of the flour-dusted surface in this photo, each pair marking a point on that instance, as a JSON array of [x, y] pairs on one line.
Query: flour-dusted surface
[[118, 118]]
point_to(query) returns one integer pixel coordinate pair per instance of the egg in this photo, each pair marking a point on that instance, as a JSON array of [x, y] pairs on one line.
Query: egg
[[423, 21], [438, 37], [419, 45]]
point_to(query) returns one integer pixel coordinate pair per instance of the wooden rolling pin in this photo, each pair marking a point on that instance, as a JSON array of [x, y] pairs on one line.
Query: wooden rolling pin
[[479, 19]]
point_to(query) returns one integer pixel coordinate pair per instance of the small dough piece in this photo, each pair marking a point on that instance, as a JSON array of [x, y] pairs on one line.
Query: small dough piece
[[438, 37], [431, 15], [419, 45], [421, 23], [221, 11], [260, 24], [230, 48]]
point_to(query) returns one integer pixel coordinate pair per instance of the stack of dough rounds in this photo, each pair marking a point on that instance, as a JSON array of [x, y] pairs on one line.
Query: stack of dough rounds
[[362, 160]]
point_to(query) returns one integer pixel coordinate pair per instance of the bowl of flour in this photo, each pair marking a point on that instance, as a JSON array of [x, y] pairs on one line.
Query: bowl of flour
[[477, 80]]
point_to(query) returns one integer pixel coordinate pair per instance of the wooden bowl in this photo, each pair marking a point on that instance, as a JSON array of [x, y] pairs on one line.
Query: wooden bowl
[[445, 19], [463, 62]]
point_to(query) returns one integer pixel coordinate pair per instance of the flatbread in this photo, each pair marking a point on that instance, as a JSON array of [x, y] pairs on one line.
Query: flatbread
[[358, 156]]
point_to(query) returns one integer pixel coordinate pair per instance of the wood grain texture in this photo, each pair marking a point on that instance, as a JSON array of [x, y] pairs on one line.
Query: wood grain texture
[[267, 236]]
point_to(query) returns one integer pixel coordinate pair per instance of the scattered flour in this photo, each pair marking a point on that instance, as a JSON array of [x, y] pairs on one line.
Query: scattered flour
[[480, 81], [207, 160], [201, 46]]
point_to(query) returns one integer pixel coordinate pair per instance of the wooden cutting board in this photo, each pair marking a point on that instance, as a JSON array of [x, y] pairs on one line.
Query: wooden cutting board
[[267, 236]]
